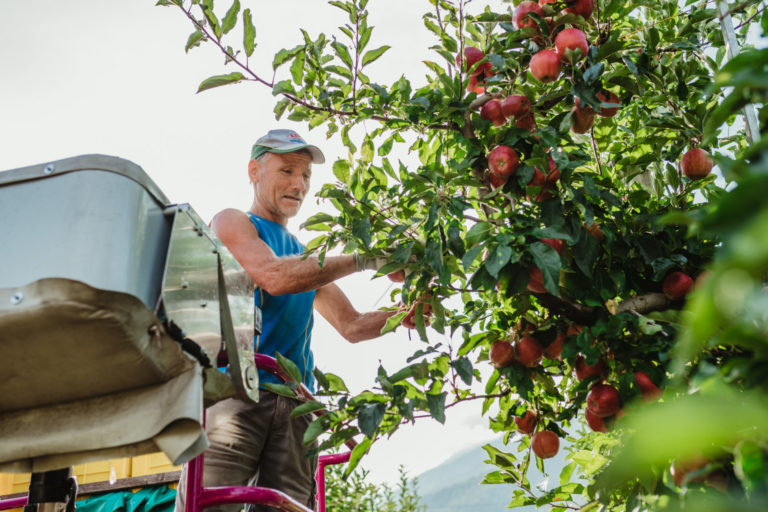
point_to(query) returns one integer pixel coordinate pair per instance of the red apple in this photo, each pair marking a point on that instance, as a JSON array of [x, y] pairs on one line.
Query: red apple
[[526, 122], [554, 349], [476, 84], [595, 232], [472, 55], [491, 111], [502, 353], [583, 8], [603, 400], [571, 39], [527, 422], [536, 281], [610, 97], [522, 20], [497, 180], [574, 330], [648, 389], [515, 105], [677, 285], [555, 243], [528, 351], [581, 120], [545, 65], [503, 160], [545, 444], [594, 421], [397, 276], [584, 371], [696, 163]]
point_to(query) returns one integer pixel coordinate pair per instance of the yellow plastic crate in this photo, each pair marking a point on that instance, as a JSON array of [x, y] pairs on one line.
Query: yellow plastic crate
[[151, 464], [102, 470], [12, 483]]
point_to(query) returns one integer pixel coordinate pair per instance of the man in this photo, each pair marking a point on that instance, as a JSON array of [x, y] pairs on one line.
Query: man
[[259, 444]]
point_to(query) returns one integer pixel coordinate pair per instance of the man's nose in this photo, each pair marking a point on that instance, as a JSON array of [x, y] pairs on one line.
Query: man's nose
[[300, 183]]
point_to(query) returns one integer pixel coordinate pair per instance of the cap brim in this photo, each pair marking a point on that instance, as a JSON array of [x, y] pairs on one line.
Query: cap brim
[[317, 156]]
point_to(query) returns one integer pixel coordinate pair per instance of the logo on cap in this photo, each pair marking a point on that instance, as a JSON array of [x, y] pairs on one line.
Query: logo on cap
[[295, 137]]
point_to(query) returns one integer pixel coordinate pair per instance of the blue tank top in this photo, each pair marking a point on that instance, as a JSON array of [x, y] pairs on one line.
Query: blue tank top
[[287, 320]]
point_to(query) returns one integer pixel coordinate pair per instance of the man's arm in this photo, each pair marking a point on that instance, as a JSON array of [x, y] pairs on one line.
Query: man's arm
[[276, 275], [354, 326]]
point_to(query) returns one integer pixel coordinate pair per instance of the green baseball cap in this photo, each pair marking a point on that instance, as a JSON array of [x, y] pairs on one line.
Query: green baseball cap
[[285, 141]]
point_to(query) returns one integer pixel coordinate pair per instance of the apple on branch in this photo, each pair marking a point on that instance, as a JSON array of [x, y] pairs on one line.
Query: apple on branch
[[677, 285], [527, 422], [515, 105], [570, 41], [648, 390], [502, 353], [584, 370], [492, 111], [528, 351], [555, 349], [545, 444], [583, 8], [608, 97], [696, 164], [545, 66], [603, 400], [582, 119], [521, 17], [502, 163]]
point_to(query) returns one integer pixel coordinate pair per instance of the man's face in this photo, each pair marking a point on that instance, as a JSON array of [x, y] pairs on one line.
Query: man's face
[[281, 182]]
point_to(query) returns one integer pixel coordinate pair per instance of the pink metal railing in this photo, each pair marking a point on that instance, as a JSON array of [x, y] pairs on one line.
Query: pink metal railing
[[199, 497]]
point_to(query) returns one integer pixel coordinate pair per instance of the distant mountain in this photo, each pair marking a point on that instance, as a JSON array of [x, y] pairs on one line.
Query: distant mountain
[[454, 485]]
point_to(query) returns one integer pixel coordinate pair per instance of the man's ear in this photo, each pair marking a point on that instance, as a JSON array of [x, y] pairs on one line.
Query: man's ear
[[253, 170]]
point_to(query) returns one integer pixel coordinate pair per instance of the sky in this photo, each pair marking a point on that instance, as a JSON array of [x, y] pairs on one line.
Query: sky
[[111, 77]]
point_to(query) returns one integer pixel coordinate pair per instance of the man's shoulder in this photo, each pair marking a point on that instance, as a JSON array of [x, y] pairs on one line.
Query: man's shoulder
[[231, 222]]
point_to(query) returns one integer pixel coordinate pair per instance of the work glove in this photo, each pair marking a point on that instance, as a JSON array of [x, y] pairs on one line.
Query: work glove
[[366, 263]]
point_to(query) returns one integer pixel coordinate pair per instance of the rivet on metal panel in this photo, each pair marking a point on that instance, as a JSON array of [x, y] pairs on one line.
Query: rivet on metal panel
[[203, 303], [17, 298], [250, 376], [49, 169]]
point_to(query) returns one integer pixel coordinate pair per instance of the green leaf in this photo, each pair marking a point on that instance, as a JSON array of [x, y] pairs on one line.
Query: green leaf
[[249, 33], [498, 257], [393, 322], [278, 389], [436, 404], [372, 55], [314, 430], [213, 21], [284, 55], [369, 417], [307, 408], [361, 228], [341, 170], [343, 53], [195, 38], [547, 259], [463, 367], [478, 233], [219, 80], [288, 367], [230, 19]]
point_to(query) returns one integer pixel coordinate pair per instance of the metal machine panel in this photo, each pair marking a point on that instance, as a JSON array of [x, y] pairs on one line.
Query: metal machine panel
[[200, 272], [93, 218], [190, 289]]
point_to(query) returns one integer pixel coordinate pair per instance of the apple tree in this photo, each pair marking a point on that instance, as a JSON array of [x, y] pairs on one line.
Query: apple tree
[[562, 225]]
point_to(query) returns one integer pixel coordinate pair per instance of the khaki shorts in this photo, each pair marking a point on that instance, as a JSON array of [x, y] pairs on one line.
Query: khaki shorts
[[257, 444]]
